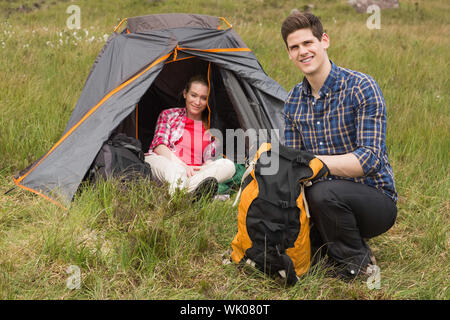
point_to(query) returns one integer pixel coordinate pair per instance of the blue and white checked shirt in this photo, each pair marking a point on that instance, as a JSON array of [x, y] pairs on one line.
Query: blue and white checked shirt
[[349, 116]]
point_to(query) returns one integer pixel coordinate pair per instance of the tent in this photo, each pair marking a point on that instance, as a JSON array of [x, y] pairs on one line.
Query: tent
[[141, 71]]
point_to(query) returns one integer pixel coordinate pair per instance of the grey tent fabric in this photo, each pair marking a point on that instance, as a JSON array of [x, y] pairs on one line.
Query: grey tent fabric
[[123, 74], [124, 56], [170, 21]]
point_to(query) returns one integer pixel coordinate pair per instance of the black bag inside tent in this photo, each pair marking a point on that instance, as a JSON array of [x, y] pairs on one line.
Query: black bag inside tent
[[142, 71]]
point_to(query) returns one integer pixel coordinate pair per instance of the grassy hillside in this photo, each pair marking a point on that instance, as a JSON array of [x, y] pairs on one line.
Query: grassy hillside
[[139, 243]]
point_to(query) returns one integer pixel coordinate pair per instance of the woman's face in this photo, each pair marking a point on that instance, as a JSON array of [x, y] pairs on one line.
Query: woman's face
[[196, 99]]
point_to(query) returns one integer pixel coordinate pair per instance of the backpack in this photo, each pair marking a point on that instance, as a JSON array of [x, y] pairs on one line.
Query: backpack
[[121, 157], [273, 215]]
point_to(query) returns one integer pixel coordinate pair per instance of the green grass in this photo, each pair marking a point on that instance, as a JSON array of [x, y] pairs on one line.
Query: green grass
[[138, 243]]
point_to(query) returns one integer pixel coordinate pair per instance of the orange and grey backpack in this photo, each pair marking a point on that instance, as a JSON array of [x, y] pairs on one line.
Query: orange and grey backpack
[[273, 215]]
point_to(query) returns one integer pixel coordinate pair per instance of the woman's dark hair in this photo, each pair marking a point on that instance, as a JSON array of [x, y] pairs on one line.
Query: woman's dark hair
[[196, 78], [298, 20]]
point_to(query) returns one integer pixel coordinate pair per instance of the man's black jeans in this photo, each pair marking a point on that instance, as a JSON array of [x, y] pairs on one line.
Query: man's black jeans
[[343, 214]]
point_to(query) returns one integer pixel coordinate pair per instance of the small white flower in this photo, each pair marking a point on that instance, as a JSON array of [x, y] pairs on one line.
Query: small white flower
[[75, 35]]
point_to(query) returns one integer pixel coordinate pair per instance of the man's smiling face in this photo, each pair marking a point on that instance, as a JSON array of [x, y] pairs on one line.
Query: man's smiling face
[[307, 52]]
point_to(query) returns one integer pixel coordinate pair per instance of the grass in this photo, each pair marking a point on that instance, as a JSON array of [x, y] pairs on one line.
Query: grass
[[138, 243]]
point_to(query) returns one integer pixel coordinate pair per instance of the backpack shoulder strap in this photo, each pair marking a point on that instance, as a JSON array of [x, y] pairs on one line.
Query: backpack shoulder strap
[[263, 148]]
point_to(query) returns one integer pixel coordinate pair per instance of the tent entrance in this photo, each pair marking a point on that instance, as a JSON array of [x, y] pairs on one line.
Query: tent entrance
[[166, 92]]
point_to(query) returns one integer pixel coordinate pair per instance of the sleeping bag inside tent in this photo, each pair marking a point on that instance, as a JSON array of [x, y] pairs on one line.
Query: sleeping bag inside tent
[[142, 71]]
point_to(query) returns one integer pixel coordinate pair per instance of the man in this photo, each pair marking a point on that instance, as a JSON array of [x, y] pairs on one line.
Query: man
[[340, 116]]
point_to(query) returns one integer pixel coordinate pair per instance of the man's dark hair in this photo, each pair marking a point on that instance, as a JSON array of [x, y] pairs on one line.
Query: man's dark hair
[[298, 20]]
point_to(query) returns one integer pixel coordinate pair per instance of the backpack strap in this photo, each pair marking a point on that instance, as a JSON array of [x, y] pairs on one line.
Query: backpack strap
[[305, 203], [263, 148]]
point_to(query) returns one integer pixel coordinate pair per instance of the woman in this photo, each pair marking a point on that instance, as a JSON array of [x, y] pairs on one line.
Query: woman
[[182, 150]]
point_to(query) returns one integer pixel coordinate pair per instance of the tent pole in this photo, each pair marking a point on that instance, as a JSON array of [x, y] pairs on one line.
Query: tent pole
[[117, 27]]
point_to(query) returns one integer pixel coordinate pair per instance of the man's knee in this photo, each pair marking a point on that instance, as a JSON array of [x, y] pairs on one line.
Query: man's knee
[[320, 194]]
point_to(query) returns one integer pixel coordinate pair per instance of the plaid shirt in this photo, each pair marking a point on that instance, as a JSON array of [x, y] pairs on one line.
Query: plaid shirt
[[349, 116], [170, 128]]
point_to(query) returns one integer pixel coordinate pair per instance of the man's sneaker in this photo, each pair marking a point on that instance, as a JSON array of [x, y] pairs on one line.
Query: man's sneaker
[[207, 188]]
